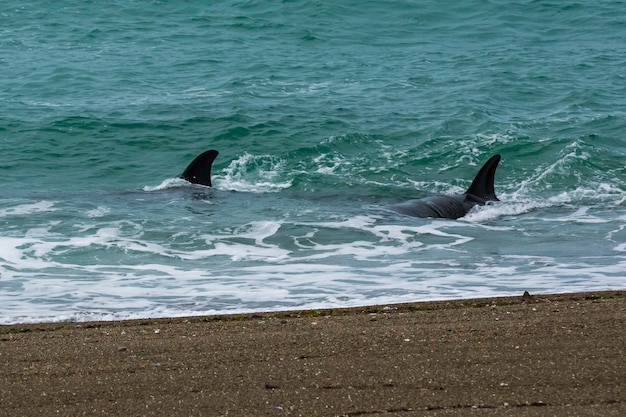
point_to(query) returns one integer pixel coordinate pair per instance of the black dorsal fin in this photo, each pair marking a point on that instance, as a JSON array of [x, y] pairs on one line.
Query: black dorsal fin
[[199, 170], [482, 188]]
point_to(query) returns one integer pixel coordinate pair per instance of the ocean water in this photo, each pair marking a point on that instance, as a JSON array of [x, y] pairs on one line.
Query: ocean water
[[324, 113]]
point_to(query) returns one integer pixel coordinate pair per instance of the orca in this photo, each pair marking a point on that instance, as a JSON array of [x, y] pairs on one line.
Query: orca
[[453, 207], [199, 170]]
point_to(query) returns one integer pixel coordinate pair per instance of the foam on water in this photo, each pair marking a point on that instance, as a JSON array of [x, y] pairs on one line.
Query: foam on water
[[167, 184], [252, 173], [99, 260], [282, 264], [29, 208]]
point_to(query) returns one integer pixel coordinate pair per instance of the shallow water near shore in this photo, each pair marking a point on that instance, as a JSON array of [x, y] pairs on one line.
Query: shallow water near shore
[[324, 115]]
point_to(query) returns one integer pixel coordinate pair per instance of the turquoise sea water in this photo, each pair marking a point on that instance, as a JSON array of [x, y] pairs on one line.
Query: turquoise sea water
[[324, 114]]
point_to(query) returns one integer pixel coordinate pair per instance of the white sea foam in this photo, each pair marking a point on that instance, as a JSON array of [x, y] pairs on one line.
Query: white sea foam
[[252, 173], [98, 212], [167, 184], [29, 208], [114, 270], [301, 285], [482, 214], [327, 164]]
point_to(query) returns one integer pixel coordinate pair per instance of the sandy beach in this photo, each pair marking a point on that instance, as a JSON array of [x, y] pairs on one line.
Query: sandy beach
[[532, 355]]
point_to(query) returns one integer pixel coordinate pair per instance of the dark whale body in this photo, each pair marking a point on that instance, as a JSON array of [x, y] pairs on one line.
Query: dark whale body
[[452, 207], [199, 170]]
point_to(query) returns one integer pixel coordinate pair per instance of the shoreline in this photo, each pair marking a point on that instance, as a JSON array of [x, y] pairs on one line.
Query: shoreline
[[326, 311], [531, 355]]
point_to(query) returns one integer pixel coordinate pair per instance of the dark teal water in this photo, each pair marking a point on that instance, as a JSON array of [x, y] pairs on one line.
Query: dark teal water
[[324, 114]]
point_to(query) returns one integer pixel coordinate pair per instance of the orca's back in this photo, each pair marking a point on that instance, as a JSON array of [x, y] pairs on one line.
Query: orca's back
[[439, 206]]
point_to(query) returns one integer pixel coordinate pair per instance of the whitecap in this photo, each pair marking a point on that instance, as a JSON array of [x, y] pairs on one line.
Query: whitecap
[[253, 173], [30, 208], [167, 184]]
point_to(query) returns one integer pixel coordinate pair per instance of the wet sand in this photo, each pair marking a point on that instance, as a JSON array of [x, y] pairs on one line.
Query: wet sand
[[541, 355]]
